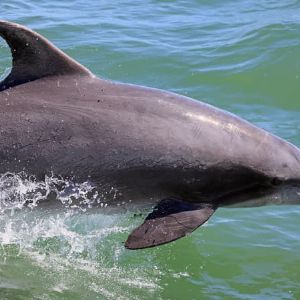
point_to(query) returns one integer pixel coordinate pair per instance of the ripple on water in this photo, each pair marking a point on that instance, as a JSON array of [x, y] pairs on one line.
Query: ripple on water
[[240, 56]]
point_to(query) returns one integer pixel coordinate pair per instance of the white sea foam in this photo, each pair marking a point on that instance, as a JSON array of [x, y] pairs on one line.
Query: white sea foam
[[77, 247], [20, 190]]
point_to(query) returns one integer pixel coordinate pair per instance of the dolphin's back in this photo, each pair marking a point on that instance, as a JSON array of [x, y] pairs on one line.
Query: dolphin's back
[[126, 121]]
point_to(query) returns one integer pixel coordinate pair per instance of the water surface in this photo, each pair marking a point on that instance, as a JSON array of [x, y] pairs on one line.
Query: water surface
[[242, 56]]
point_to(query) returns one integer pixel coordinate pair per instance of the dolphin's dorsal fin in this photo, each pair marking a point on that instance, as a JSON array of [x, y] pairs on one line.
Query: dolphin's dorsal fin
[[34, 57]]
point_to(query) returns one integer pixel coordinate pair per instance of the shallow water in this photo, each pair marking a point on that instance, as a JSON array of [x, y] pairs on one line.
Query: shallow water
[[238, 55]]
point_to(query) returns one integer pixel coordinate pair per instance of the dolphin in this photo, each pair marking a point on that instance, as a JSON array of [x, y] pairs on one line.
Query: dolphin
[[180, 156]]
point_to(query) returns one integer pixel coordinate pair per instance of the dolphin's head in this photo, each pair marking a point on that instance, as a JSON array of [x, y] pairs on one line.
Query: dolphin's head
[[285, 194], [270, 189], [278, 163], [285, 180]]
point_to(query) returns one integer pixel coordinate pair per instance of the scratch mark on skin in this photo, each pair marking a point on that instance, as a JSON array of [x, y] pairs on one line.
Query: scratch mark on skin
[[23, 147]]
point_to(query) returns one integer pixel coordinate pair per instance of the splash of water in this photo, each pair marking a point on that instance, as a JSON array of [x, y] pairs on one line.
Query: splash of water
[[69, 242], [20, 190]]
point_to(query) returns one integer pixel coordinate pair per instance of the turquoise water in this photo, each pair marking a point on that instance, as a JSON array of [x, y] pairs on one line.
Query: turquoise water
[[242, 56]]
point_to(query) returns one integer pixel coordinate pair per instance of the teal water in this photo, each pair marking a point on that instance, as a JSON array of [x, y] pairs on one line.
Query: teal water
[[242, 56]]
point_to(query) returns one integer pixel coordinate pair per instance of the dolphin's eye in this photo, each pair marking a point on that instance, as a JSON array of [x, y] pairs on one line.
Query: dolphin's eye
[[276, 181]]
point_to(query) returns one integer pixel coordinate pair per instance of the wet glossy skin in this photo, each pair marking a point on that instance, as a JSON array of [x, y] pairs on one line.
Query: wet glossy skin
[[57, 117], [147, 143]]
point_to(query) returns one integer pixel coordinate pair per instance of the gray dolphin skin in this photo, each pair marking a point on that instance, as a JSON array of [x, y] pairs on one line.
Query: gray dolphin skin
[[183, 157]]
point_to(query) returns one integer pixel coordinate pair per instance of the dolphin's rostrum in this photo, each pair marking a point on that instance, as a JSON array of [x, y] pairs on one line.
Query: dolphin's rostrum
[[182, 156]]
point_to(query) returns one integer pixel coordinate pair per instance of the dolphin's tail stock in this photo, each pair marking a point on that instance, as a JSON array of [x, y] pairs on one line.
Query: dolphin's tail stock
[[170, 220], [34, 56]]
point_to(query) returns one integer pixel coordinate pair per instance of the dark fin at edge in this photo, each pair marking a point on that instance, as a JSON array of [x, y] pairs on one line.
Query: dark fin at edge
[[34, 57], [170, 220]]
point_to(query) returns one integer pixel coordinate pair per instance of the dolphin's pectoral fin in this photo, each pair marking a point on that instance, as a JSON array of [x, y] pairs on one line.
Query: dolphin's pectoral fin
[[170, 220], [34, 57]]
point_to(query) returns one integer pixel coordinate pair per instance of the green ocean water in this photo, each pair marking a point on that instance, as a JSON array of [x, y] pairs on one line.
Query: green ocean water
[[242, 56]]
